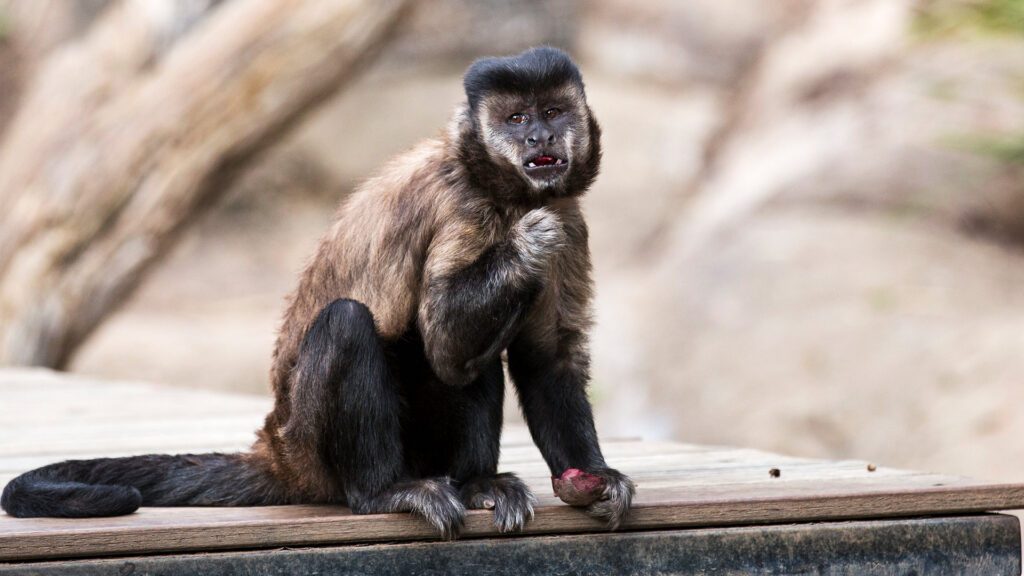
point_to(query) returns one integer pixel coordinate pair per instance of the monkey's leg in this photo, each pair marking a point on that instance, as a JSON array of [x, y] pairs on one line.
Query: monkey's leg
[[476, 446], [346, 400], [552, 392]]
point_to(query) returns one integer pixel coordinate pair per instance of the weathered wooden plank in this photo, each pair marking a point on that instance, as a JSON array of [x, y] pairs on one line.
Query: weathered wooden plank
[[679, 485], [193, 529], [57, 416], [987, 544], [131, 437], [39, 397], [681, 469]]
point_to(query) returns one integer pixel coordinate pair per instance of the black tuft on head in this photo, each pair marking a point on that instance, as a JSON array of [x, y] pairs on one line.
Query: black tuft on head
[[535, 70]]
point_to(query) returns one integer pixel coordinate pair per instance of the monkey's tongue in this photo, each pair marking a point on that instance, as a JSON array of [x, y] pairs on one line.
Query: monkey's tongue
[[544, 160]]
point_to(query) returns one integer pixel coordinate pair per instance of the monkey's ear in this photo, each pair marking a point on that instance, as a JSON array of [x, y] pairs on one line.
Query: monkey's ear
[[461, 123]]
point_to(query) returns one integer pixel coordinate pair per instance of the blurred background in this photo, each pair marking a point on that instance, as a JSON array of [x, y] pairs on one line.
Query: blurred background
[[808, 233]]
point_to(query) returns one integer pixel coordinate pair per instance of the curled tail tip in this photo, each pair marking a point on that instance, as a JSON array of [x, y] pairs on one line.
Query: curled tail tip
[[25, 498], [116, 500]]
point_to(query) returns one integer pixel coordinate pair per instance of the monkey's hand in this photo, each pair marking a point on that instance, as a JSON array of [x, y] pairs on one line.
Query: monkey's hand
[[606, 493], [506, 494], [537, 236]]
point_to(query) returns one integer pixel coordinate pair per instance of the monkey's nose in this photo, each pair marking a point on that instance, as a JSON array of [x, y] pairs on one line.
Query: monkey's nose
[[531, 141], [540, 134]]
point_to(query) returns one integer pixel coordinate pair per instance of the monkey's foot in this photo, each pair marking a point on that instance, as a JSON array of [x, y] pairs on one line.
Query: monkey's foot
[[606, 493], [506, 494], [433, 499]]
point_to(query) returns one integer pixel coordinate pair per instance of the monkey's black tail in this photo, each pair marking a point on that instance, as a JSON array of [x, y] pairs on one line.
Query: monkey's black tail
[[116, 486]]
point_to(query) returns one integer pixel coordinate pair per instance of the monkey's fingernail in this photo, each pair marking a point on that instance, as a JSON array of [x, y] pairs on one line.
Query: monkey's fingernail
[[488, 503]]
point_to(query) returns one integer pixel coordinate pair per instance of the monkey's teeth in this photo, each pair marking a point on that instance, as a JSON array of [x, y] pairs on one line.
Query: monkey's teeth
[[531, 165], [559, 161]]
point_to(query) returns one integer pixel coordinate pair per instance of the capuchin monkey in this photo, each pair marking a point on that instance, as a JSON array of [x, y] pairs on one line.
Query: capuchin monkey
[[387, 372]]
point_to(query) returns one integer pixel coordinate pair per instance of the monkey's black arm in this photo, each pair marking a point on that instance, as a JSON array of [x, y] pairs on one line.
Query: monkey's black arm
[[470, 315], [551, 383]]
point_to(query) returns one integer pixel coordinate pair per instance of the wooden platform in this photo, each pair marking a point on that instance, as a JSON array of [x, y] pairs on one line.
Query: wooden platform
[[45, 417]]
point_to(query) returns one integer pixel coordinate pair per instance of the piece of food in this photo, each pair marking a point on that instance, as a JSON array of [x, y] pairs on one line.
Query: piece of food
[[578, 488]]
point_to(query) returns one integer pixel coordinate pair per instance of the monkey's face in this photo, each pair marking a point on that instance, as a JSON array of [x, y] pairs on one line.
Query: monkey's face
[[539, 135]]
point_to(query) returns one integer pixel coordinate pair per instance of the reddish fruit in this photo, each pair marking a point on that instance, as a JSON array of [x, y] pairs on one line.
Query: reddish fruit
[[578, 488]]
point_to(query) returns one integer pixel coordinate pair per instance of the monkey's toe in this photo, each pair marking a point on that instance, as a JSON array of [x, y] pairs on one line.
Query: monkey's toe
[[507, 495], [513, 508], [438, 503], [615, 502]]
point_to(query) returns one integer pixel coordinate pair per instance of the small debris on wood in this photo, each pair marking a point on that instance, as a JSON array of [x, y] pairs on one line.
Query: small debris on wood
[[872, 467], [775, 472]]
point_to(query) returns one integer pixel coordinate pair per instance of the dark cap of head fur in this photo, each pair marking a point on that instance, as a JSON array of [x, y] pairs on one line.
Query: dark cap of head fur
[[535, 70]]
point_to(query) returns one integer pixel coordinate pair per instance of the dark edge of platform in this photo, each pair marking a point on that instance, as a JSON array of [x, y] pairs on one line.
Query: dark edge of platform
[[979, 544]]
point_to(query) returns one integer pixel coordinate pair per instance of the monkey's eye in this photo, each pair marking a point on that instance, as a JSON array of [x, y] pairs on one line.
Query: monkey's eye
[[552, 113], [518, 118]]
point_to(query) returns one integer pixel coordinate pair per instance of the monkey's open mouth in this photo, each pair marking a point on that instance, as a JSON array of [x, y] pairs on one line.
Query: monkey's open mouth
[[545, 165]]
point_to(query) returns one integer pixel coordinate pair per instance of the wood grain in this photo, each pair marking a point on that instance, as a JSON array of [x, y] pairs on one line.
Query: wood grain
[[679, 485]]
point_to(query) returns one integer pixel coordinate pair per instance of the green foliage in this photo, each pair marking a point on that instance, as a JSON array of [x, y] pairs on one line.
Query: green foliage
[[5, 25], [1009, 149], [1002, 15], [952, 17]]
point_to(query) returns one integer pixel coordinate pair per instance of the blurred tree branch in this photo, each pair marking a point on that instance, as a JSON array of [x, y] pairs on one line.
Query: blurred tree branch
[[29, 31], [127, 38], [127, 134]]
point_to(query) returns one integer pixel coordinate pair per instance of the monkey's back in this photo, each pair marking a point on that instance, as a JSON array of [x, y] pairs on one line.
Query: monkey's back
[[374, 252]]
